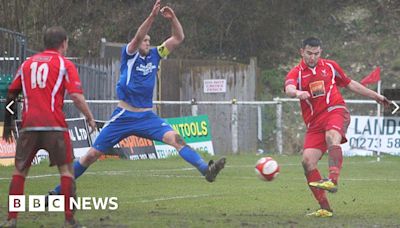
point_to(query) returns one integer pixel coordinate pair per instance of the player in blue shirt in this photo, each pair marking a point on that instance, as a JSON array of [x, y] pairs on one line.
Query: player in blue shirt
[[134, 115]]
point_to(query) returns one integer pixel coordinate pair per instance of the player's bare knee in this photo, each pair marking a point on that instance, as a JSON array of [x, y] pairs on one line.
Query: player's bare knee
[[308, 164], [169, 137], [332, 138], [179, 143], [94, 155], [179, 140], [305, 162], [175, 140], [91, 156]]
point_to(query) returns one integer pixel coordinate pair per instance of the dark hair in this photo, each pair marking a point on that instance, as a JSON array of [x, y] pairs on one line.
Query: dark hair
[[54, 37], [312, 42]]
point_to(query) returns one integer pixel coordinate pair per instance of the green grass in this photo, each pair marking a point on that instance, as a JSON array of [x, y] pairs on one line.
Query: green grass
[[163, 193]]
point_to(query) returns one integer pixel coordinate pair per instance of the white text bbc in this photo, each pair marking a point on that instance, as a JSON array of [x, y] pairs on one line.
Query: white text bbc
[[36, 203]]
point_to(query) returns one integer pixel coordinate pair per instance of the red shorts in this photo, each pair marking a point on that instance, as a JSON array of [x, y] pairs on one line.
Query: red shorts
[[337, 119], [56, 143]]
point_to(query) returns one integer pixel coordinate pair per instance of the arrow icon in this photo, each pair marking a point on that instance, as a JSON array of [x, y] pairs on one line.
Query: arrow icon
[[12, 112], [396, 109]]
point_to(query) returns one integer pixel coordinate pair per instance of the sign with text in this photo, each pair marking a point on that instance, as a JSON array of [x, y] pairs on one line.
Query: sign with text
[[195, 130], [214, 86], [373, 134], [79, 134], [131, 147]]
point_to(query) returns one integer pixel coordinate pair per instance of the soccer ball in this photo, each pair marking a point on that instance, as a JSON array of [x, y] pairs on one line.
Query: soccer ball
[[267, 168]]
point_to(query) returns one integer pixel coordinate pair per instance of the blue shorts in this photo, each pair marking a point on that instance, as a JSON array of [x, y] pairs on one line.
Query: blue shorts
[[124, 123]]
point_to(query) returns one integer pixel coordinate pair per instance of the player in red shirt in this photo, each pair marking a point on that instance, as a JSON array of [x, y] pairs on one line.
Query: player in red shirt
[[315, 82], [43, 79]]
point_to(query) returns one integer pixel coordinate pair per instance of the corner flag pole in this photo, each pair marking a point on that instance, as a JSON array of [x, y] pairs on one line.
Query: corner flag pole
[[378, 110]]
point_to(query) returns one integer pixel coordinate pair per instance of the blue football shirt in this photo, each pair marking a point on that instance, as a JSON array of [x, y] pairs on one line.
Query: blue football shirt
[[138, 75]]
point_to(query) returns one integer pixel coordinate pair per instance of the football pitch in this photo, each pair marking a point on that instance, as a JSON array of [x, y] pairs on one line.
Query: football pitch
[[169, 193]]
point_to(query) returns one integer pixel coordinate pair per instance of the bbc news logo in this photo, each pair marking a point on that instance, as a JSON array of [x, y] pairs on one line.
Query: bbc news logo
[[56, 203]]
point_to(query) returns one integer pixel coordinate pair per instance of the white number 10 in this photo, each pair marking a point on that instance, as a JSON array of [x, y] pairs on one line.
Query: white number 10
[[39, 74]]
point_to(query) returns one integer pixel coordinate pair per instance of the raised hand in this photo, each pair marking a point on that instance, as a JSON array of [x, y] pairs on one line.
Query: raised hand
[[156, 8], [167, 12]]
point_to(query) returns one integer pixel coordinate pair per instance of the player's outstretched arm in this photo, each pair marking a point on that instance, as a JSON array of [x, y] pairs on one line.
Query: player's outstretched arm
[[144, 28], [80, 103], [364, 91], [177, 36]]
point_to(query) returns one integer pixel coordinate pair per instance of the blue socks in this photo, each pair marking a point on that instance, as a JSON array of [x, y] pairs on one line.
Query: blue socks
[[78, 171], [193, 158]]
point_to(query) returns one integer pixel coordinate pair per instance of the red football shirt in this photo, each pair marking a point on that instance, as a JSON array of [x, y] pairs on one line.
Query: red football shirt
[[321, 82], [43, 79]]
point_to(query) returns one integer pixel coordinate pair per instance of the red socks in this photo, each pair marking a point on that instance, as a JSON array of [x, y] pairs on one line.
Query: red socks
[[68, 190], [335, 157], [16, 188], [319, 194]]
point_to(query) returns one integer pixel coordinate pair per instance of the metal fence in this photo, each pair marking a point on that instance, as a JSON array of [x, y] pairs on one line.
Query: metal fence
[[99, 78], [12, 54], [12, 51]]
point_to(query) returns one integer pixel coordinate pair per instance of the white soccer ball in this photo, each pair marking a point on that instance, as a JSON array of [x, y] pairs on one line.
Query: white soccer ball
[[267, 168]]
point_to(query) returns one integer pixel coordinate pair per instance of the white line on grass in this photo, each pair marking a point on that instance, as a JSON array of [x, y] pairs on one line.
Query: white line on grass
[[143, 172], [250, 178], [299, 164], [107, 173], [173, 198], [121, 173], [168, 170]]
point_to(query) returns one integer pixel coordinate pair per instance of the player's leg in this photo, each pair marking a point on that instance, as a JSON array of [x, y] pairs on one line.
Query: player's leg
[[311, 156], [25, 152], [68, 189], [186, 152], [335, 154], [314, 148], [16, 188], [59, 146], [210, 170], [151, 126], [337, 124]]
